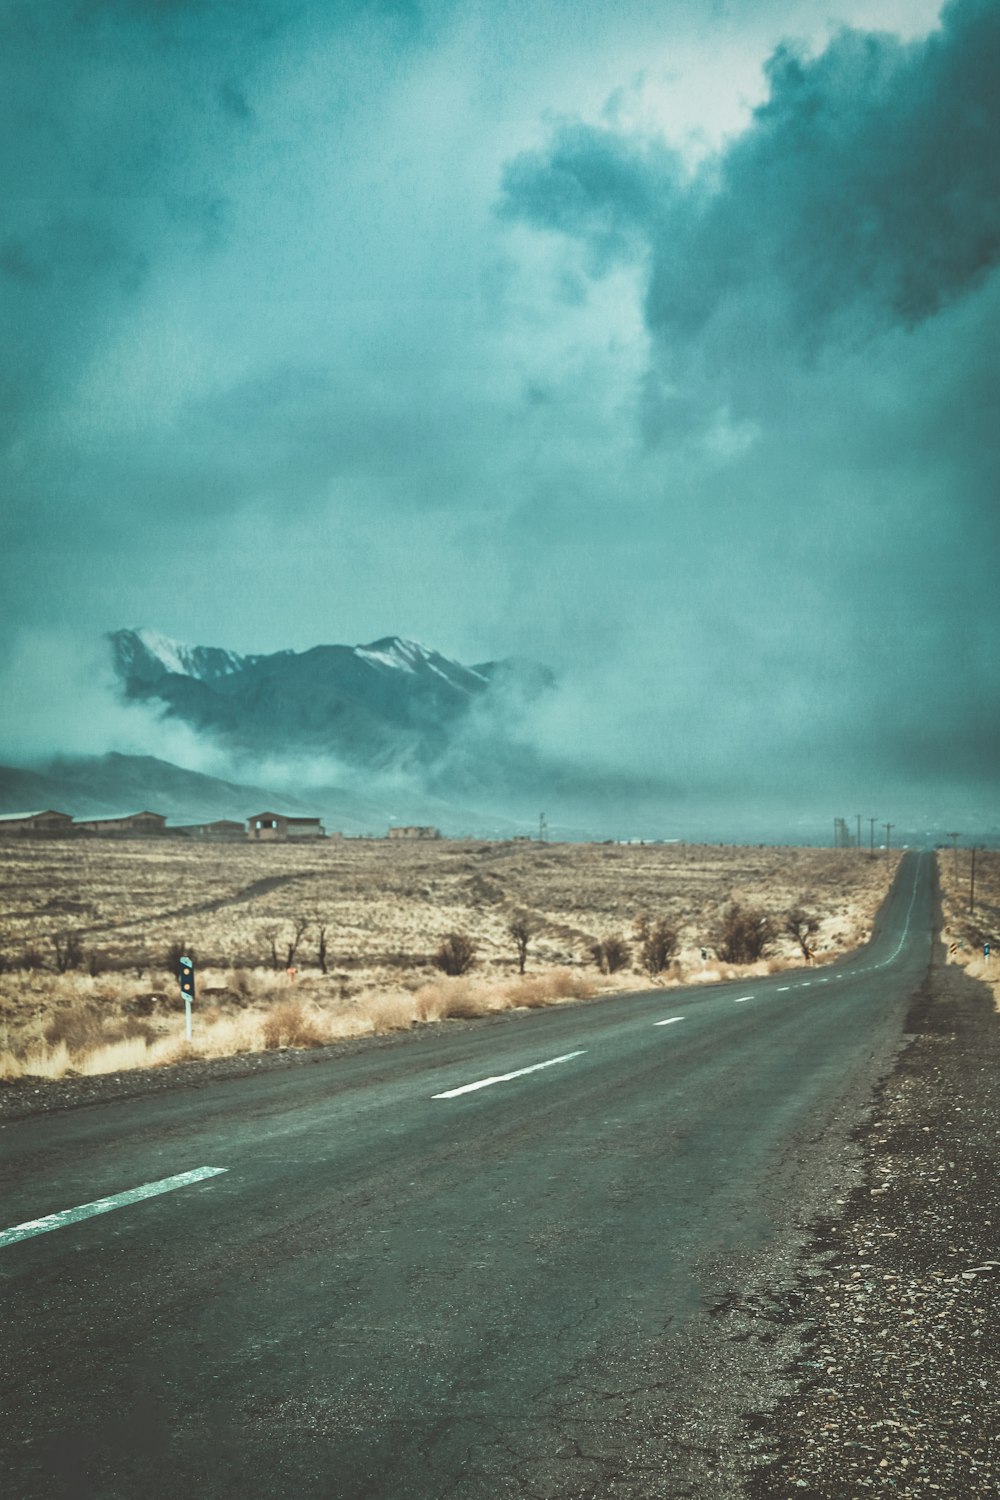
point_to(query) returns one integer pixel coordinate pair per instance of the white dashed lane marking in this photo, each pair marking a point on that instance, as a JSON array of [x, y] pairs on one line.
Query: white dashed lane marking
[[69, 1216], [484, 1083]]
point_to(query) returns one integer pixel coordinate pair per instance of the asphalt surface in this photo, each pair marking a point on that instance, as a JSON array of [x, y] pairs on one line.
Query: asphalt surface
[[510, 1291]]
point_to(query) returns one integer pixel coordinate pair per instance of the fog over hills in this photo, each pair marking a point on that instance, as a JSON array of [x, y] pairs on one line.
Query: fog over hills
[[391, 706], [390, 732]]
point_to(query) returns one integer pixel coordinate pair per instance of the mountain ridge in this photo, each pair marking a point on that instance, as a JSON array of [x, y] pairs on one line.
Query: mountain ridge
[[392, 705]]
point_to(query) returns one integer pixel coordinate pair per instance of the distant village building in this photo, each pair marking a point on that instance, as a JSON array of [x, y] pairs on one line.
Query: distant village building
[[269, 825], [125, 825], [222, 828], [45, 824], [402, 832]]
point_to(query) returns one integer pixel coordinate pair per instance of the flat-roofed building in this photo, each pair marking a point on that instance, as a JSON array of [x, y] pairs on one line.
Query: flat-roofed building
[[123, 825], [222, 828], [414, 832], [46, 824]]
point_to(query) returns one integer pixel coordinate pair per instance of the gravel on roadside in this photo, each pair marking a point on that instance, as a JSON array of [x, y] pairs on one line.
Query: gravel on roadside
[[896, 1306]]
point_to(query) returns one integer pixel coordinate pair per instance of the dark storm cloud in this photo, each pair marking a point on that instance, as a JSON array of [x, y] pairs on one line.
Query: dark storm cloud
[[596, 185], [99, 184], [870, 176]]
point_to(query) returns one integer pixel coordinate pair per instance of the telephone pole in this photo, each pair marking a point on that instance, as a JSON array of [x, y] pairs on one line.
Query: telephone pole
[[972, 884], [858, 816], [954, 849], [888, 829], [871, 833], [542, 828]]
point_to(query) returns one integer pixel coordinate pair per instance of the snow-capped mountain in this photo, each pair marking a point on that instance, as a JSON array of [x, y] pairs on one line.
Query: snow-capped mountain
[[146, 656], [390, 704]]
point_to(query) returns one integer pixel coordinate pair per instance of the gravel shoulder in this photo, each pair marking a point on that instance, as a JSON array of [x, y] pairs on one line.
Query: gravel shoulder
[[895, 1306]]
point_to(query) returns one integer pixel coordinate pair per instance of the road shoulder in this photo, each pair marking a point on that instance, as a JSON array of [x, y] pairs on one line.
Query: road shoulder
[[896, 1304]]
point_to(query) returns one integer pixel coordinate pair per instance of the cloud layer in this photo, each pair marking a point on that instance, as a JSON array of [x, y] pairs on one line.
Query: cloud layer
[[659, 346]]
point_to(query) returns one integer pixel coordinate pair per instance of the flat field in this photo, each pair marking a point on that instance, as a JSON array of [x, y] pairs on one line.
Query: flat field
[[120, 907]]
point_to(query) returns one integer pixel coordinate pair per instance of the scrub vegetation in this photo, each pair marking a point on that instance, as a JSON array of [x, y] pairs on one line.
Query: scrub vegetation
[[303, 946], [970, 902]]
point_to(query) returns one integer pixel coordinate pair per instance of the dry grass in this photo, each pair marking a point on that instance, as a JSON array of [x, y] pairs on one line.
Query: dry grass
[[971, 911], [386, 909]]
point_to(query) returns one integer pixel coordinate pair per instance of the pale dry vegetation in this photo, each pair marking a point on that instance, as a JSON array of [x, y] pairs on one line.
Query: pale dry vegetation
[[90, 934], [971, 912]]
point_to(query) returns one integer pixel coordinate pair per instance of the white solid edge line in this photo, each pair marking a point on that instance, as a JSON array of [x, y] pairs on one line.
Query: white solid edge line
[[105, 1205], [484, 1083], [669, 1021]]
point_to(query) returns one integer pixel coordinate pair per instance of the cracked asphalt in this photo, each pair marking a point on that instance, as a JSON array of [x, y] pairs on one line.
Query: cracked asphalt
[[570, 1283]]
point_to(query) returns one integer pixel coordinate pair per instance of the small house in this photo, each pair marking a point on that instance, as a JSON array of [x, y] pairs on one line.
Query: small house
[[403, 832], [273, 826]]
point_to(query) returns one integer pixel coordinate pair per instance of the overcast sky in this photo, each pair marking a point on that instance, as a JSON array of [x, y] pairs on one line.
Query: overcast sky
[[656, 341]]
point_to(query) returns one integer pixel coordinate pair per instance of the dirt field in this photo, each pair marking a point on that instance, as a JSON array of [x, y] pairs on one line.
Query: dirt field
[[119, 908], [971, 907]]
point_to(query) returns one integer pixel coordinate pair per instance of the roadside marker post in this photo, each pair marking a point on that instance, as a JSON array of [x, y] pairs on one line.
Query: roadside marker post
[[186, 976]]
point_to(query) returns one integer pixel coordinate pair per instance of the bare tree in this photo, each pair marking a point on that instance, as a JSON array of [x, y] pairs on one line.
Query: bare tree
[[271, 935], [456, 953], [69, 951], [801, 925], [522, 931], [300, 926], [322, 925]]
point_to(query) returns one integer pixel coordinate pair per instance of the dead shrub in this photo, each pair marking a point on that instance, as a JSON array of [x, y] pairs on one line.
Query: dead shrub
[[85, 1027], [289, 1024], [455, 997], [391, 1012], [241, 985], [175, 952], [68, 948], [745, 934], [659, 944], [611, 954], [79, 1025], [456, 953]]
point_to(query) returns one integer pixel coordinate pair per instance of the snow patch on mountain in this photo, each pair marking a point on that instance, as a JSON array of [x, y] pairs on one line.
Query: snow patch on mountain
[[147, 655]]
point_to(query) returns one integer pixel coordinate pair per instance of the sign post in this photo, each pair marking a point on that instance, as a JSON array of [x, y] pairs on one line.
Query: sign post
[[186, 977]]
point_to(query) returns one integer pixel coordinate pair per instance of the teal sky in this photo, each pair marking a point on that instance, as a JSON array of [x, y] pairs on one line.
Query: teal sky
[[654, 341]]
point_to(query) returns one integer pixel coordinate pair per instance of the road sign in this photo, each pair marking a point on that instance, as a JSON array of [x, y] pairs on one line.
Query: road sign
[[185, 973]]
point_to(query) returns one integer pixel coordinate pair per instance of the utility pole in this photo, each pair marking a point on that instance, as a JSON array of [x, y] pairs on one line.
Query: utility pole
[[972, 884], [871, 832], [954, 849], [542, 828], [888, 829], [858, 816]]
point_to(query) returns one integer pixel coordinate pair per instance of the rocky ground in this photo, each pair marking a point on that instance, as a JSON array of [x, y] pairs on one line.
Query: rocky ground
[[897, 1304]]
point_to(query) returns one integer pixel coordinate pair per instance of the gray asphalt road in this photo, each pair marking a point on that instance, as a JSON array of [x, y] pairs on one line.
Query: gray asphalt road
[[388, 1293]]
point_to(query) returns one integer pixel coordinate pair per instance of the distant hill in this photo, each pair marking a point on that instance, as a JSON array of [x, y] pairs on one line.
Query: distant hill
[[389, 706], [102, 786]]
